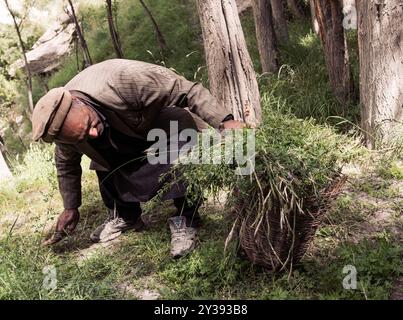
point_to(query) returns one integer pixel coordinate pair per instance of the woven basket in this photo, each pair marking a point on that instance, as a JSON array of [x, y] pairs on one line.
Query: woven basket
[[277, 244]]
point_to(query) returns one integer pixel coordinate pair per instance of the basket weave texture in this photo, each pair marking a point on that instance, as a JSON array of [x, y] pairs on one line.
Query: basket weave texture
[[278, 240]]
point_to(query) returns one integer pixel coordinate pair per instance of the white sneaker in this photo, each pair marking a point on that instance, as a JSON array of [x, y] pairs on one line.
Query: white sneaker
[[183, 238], [113, 228]]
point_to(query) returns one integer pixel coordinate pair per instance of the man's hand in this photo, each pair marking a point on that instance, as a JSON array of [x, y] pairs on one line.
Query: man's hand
[[66, 223], [232, 124]]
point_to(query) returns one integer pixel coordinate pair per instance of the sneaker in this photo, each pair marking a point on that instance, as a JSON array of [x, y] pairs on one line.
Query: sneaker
[[183, 238], [113, 227]]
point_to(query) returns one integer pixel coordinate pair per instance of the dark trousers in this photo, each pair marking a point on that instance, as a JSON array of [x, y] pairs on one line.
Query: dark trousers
[[131, 210]]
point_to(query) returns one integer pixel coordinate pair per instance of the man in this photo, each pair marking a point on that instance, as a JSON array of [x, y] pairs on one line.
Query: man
[[106, 112]]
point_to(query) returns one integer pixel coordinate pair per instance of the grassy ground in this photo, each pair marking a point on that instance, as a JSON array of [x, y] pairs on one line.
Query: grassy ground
[[363, 229]]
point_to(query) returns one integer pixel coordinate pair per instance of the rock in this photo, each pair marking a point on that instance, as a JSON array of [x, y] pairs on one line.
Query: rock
[[48, 52], [18, 120]]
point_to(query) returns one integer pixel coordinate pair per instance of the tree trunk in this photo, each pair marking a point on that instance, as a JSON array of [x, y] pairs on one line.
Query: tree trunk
[[280, 22], [232, 78], [332, 34], [295, 7], [5, 172], [27, 69], [83, 43], [160, 37], [114, 34], [265, 35], [380, 32], [315, 25]]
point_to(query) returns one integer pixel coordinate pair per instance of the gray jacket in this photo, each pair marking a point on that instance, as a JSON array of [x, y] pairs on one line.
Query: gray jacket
[[134, 97]]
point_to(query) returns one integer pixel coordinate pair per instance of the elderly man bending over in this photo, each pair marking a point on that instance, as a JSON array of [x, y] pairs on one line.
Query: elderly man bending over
[[106, 112]]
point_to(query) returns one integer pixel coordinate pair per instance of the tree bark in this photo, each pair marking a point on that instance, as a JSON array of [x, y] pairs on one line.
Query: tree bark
[[280, 22], [295, 7], [112, 30], [160, 37], [315, 25], [27, 69], [332, 34], [380, 32], [83, 43], [232, 78], [265, 35]]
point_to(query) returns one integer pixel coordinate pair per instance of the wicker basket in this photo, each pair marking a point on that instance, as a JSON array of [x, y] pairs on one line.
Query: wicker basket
[[279, 242]]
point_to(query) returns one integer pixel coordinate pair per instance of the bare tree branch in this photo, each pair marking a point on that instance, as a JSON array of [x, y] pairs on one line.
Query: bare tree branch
[[27, 69]]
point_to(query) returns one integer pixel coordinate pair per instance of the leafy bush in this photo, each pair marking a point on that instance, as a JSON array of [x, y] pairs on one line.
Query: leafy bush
[[289, 151], [297, 163]]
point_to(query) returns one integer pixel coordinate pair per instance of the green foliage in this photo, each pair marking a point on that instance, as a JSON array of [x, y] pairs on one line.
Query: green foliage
[[376, 265], [297, 153], [395, 171], [7, 94], [138, 38], [380, 189], [38, 163], [13, 98], [302, 85], [68, 70], [22, 273], [8, 52]]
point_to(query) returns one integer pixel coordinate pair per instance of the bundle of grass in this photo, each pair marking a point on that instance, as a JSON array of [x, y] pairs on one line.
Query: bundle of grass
[[276, 208]]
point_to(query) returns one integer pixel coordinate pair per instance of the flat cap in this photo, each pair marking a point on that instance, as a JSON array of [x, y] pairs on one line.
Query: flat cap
[[49, 114]]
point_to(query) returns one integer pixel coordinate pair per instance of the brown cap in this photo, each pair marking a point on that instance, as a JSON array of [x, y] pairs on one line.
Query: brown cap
[[49, 114]]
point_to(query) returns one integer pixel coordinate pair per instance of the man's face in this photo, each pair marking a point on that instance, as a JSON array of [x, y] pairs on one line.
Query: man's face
[[81, 123]]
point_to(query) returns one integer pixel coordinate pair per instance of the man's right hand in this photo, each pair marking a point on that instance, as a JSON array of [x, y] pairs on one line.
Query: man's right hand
[[66, 223]]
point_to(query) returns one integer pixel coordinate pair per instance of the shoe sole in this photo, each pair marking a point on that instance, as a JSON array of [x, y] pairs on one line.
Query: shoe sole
[[187, 252], [178, 256]]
